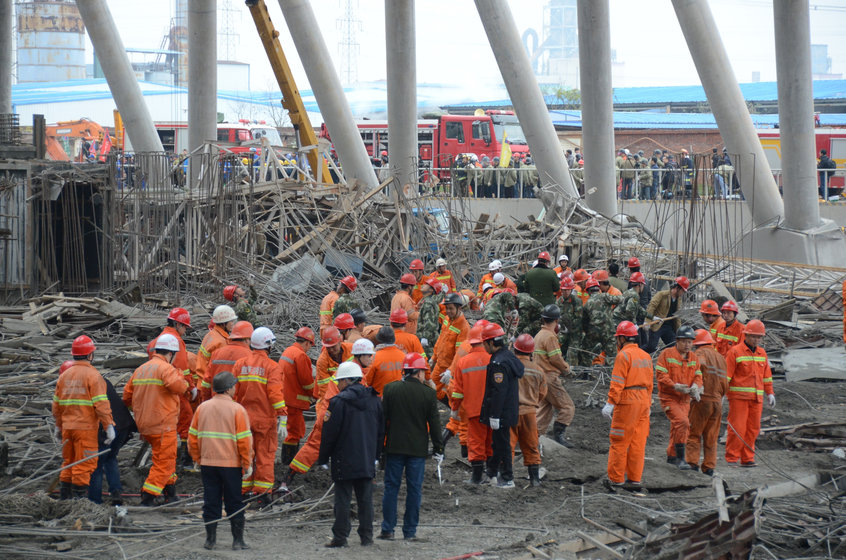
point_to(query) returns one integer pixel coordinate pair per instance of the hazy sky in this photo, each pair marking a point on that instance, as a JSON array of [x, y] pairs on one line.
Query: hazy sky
[[452, 46]]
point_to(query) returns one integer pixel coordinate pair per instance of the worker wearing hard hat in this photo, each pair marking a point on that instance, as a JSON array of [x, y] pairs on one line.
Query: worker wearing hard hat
[[298, 386], [429, 320], [705, 414], [502, 282], [222, 359], [563, 265], [732, 331], [710, 313], [494, 267], [243, 309], [416, 269], [541, 282], [405, 341], [443, 275], [387, 362], [403, 300], [347, 285], [346, 325], [346, 302], [223, 319], [662, 311], [532, 389], [454, 331], [556, 407], [335, 351]]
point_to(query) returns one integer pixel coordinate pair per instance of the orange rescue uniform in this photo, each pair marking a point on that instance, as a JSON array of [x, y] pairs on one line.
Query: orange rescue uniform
[[309, 452], [180, 362], [326, 307], [404, 301], [385, 368], [214, 339], [298, 386], [705, 415], [749, 377], [486, 279], [445, 277], [469, 375], [728, 336], [532, 391], [220, 434], [223, 359], [408, 342], [674, 368], [715, 326], [326, 368], [452, 335]]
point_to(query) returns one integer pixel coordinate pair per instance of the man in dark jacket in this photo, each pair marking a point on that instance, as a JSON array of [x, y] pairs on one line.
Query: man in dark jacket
[[541, 282], [107, 464], [501, 403], [353, 434], [411, 416]]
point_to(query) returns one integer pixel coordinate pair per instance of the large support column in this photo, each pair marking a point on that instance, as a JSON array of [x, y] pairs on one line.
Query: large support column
[[6, 38], [597, 105], [122, 83], [327, 89], [526, 96], [202, 78], [402, 90], [732, 116], [796, 114]]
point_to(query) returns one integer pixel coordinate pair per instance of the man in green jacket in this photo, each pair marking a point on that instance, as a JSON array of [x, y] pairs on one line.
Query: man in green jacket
[[541, 282]]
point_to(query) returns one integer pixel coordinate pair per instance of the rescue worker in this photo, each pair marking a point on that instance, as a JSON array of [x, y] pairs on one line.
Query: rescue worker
[[360, 320], [223, 319], [630, 309], [462, 351], [402, 300], [570, 336], [406, 342], [353, 436], [603, 279], [334, 353], [429, 323], [664, 306], [221, 442], [387, 362], [532, 389], [541, 282], [416, 269], [599, 323], [107, 464], [501, 403], [80, 406], [410, 408], [454, 331], [222, 359], [749, 379], [731, 332], [347, 285], [152, 393], [563, 262], [705, 414], [494, 267], [580, 277], [528, 314], [346, 326], [633, 265], [504, 283], [260, 392], [710, 313], [548, 359], [298, 388], [627, 406], [444, 276], [679, 379], [243, 309], [345, 302], [363, 352]]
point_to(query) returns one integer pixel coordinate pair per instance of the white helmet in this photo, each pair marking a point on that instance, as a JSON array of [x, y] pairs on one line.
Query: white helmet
[[563, 258], [495, 265], [262, 338], [167, 342], [440, 262], [486, 286], [348, 370], [223, 314], [499, 278], [362, 346]]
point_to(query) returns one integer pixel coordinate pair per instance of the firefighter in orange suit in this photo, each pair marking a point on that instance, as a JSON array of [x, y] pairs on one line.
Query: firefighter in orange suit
[[549, 360], [730, 332], [416, 269], [710, 313], [706, 414], [259, 390], [749, 379], [405, 341], [298, 383], [443, 275], [679, 379], [152, 393], [347, 285], [386, 366], [462, 351], [222, 359], [532, 390], [453, 332], [333, 354], [80, 405], [627, 406], [223, 319], [403, 300], [220, 441]]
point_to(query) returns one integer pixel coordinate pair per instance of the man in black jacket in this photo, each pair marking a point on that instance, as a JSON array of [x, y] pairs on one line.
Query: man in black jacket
[[107, 464], [501, 403], [411, 417], [353, 434]]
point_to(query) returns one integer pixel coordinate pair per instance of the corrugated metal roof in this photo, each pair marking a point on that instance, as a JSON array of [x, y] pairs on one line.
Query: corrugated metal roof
[[648, 119]]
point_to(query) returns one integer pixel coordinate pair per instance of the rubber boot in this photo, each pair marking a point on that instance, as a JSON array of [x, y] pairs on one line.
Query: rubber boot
[[558, 430], [463, 451], [169, 494], [65, 491], [681, 463], [289, 452], [478, 472], [79, 492], [211, 536], [116, 498], [147, 499], [237, 526], [534, 475], [446, 435]]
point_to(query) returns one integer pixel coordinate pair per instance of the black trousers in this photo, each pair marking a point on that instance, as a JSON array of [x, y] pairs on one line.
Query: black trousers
[[666, 333], [221, 485], [363, 488], [500, 461]]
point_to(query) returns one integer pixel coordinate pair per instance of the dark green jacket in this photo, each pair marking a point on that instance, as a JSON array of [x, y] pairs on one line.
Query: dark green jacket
[[411, 417], [541, 283]]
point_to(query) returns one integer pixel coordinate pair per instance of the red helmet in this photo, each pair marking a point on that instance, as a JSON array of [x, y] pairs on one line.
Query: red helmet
[[600, 275], [344, 321], [637, 278], [475, 336], [416, 264], [591, 283], [754, 327], [399, 316], [491, 331], [241, 330], [65, 365], [408, 279], [683, 282], [305, 333], [709, 307], [350, 282], [703, 337], [481, 323], [627, 329], [580, 275], [229, 292], [434, 282], [82, 346], [544, 256], [525, 343], [568, 284], [413, 360], [180, 316], [384, 152], [633, 263], [331, 337], [730, 306]]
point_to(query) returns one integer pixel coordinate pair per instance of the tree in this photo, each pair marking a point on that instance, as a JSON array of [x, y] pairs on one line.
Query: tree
[[567, 98]]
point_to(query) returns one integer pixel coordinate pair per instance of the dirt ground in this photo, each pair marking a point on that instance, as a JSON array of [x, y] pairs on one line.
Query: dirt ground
[[455, 518]]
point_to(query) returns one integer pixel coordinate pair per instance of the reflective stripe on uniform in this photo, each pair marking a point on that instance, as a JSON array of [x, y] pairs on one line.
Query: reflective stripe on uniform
[[458, 395], [287, 359], [255, 378]]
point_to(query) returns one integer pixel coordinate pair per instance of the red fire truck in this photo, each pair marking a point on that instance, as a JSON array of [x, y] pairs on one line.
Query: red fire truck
[[833, 140], [239, 137]]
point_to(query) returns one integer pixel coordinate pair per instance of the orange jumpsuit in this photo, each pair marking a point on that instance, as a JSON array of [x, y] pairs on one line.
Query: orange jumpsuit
[[79, 405], [214, 339], [326, 307], [532, 391], [583, 294], [408, 342], [705, 415], [558, 269], [459, 425], [298, 385], [180, 362], [326, 368], [674, 368], [386, 367], [631, 394], [749, 377], [468, 390], [716, 326], [220, 434], [152, 393], [259, 390], [404, 301], [370, 331], [508, 284], [486, 279], [223, 359], [548, 359], [453, 333], [309, 452], [728, 336], [445, 278], [416, 292]]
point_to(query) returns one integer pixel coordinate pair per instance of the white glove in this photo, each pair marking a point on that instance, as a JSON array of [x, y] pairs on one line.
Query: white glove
[[193, 393], [608, 410], [444, 288], [696, 391], [454, 415], [110, 434], [514, 314], [282, 427], [682, 388], [493, 423], [771, 400], [446, 376], [438, 457], [247, 473], [424, 341]]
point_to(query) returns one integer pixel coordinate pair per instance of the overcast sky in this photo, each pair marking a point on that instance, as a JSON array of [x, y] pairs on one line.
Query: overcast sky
[[452, 47]]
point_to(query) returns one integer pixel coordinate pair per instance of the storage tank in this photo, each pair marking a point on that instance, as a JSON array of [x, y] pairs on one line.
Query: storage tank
[[50, 41]]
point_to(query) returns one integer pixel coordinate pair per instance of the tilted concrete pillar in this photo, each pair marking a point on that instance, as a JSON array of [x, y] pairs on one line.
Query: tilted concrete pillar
[[122, 83], [328, 91], [6, 39], [402, 90], [202, 78], [526, 96], [597, 105], [796, 114]]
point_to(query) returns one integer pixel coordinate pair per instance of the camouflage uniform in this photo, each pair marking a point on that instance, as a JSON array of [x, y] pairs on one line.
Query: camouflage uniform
[[600, 326], [571, 322], [631, 309], [428, 325], [530, 314], [498, 310], [245, 312], [345, 304]]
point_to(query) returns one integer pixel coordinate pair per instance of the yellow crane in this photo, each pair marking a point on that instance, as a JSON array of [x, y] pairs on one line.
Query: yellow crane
[[291, 99]]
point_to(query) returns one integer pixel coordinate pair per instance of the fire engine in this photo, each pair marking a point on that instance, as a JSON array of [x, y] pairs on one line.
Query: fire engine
[[239, 137], [833, 140]]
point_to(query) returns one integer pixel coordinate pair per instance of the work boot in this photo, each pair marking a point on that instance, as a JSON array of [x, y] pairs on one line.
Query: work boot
[[169, 494], [187, 461], [237, 526], [478, 473], [65, 491], [289, 451], [558, 434], [446, 435], [534, 475], [147, 499], [680, 462], [116, 498], [463, 451], [211, 536], [79, 492]]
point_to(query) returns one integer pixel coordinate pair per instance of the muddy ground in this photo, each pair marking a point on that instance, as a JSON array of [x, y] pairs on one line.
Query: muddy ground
[[456, 518]]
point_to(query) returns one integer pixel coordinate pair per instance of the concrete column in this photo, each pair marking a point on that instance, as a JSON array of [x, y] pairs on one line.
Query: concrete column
[[525, 94], [202, 78], [6, 39], [402, 90], [597, 105], [122, 83], [727, 103], [328, 91], [796, 114]]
